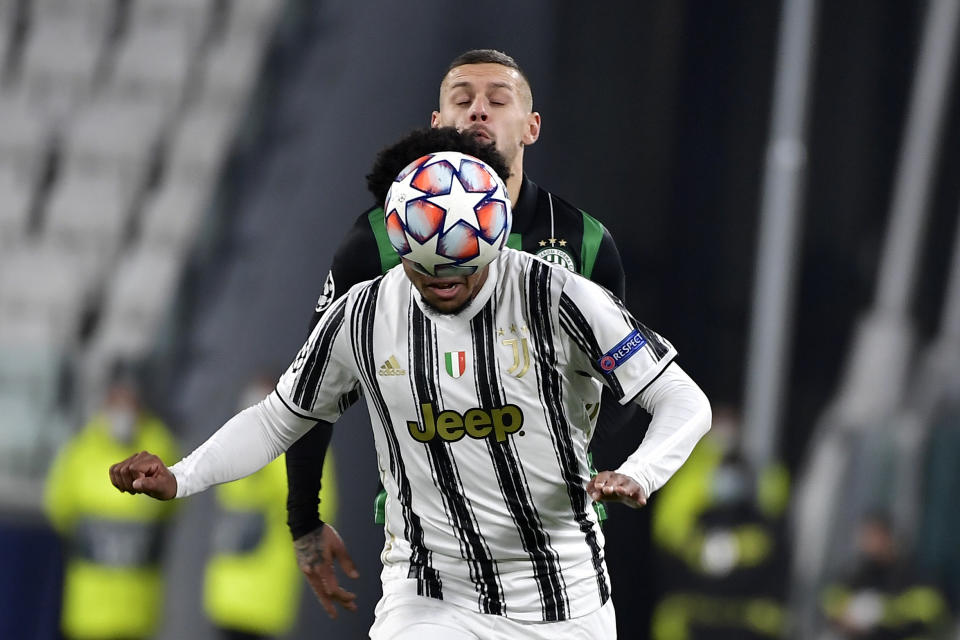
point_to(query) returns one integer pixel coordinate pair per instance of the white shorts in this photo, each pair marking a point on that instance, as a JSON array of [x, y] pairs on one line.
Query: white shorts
[[412, 617]]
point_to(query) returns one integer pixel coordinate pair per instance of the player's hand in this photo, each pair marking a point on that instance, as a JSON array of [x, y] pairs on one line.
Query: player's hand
[[144, 473], [610, 486], [316, 552]]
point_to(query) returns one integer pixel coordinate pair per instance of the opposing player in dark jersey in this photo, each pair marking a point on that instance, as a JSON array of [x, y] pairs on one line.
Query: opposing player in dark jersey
[[485, 93]]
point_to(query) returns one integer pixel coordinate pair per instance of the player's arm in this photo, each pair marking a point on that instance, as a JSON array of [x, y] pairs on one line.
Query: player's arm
[[255, 436], [355, 260], [604, 340], [681, 415], [242, 446]]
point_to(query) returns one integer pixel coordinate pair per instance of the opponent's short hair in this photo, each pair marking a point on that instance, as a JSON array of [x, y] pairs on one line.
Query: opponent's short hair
[[393, 159], [489, 56]]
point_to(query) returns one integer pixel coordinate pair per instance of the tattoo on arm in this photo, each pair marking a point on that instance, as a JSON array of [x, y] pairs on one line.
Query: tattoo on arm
[[309, 548]]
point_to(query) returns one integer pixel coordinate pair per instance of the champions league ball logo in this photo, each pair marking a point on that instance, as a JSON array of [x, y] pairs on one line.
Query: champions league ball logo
[[448, 213]]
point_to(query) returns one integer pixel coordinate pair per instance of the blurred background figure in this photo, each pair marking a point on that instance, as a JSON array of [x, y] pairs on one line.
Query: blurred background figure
[[113, 584], [252, 586], [883, 596], [719, 537]]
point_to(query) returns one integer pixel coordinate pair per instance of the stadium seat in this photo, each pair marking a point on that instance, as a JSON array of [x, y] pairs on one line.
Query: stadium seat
[[192, 17], [7, 19], [21, 424], [96, 16], [88, 215], [230, 71], [154, 65], [24, 137], [137, 300], [172, 217], [43, 292], [16, 197], [253, 18], [8, 12], [59, 63], [116, 138], [200, 144], [30, 367]]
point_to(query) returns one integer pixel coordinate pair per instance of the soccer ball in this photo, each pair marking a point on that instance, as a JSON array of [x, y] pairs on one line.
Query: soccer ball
[[448, 213]]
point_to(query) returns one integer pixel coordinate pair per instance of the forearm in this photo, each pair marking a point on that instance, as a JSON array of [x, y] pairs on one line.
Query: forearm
[[681, 415], [304, 470], [245, 444]]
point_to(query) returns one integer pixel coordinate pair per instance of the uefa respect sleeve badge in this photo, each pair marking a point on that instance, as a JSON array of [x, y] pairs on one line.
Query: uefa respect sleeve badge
[[622, 351]]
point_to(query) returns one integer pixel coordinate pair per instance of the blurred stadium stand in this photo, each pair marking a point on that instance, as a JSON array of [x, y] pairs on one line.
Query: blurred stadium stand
[[116, 118]]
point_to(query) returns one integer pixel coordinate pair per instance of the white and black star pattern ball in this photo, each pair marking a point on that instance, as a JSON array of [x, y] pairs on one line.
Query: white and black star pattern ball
[[448, 213]]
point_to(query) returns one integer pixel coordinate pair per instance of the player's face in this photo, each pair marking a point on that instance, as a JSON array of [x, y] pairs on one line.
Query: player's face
[[493, 103], [446, 295]]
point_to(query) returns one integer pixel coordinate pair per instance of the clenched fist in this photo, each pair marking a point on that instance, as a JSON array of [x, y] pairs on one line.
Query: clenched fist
[[144, 473], [610, 486]]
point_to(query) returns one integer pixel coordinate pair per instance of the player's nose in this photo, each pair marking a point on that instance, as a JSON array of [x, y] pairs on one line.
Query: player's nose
[[478, 110]]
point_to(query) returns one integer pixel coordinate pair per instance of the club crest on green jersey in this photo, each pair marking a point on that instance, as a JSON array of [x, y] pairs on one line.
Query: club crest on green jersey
[[556, 252]]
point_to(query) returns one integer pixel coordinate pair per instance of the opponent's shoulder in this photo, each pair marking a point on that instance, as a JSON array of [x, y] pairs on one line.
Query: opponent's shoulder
[[369, 219], [563, 209]]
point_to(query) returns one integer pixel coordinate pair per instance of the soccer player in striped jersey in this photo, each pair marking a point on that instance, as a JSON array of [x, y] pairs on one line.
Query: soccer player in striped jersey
[[482, 428], [486, 94]]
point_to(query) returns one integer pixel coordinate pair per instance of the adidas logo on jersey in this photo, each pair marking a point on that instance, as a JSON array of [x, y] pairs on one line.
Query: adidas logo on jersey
[[391, 368]]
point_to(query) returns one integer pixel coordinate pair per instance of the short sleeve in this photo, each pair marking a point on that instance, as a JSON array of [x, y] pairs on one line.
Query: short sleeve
[[321, 382], [605, 341]]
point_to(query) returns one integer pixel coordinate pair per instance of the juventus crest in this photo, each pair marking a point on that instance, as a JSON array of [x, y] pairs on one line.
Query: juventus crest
[[519, 344]]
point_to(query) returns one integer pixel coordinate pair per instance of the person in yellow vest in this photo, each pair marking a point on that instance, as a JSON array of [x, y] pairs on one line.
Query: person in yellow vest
[[252, 584], [113, 584], [718, 530], [884, 596]]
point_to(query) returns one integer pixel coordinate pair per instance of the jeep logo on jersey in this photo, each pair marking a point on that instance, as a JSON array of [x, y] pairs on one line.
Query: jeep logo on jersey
[[622, 351], [450, 426], [326, 296]]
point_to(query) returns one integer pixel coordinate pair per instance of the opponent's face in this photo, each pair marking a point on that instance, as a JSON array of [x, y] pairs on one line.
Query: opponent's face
[[446, 295], [492, 102]]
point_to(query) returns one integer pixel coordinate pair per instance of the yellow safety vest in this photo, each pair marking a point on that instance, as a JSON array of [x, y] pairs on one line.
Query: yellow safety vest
[[113, 584], [677, 531], [252, 581], [686, 496]]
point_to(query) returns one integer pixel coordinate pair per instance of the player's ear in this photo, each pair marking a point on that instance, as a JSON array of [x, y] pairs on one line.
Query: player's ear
[[435, 119], [532, 129]]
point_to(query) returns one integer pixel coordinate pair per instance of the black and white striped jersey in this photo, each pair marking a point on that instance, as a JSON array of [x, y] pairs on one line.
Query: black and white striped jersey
[[482, 421]]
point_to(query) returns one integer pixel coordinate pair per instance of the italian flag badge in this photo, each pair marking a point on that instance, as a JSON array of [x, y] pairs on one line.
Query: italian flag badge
[[456, 362]]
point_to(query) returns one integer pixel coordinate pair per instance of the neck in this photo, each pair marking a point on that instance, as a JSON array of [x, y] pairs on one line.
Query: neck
[[516, 178]]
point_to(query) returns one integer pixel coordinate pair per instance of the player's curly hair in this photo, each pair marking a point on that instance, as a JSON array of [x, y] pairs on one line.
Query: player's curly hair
[[393, 159]]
